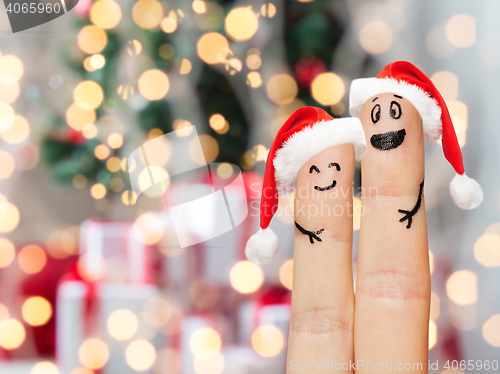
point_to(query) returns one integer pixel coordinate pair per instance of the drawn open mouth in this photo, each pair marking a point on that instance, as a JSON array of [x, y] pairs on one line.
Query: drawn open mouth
[[334, 183], [388, 140]]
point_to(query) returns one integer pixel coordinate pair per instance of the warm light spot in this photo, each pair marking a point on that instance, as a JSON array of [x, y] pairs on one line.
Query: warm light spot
[[209, 148], [9, 217], [254, 79], [491, 330], [31, 259], [435, 306], [375, 37], [338, 109], [286, 274], [7, 116], [217, 121], [260, 152], [158, 311], [461, 287], [209, 364], [89, 131], [115, 140], [27, 157], [153, 84], [9, 92], [17, 132], [134, 47], [98, 191], [11, 69], [81, 370], [93, 354], [447, 84], [36, 311], [461, 30], [147, 14], [246, 277], [4, 312], [101, 152], [204, 293], [357, 212], [92, 39], [205, 342], [327, 89], [61, 244], [459, 115], [154, 133], [96, 61], [285, 207], [8, 164], [254, 62], [241, 24], [7, 253], [167, 358], [105, 14], [267, 341], [113, 164], [45, 367], [166, 51], [199, 6], [88, 94], [182, 127], [234, 66], [125, 91], [148, 228], [213, 48], [186, 66], [116, 184], [432, 334], [168, 25], [122, 324], [87, 65], [282, 89], [12, 334], [79, 181], [77, 117], [151, 175], [487, 250], [140, 355], [268, 10], [431, 262], [225, 170]]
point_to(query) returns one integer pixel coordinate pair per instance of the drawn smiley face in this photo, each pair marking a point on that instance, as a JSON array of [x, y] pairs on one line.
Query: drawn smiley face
[[316, 169], [387, 110]]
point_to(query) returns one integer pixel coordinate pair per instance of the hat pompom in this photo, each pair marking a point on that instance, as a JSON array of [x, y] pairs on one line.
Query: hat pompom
[[262, 246], [465, 192]]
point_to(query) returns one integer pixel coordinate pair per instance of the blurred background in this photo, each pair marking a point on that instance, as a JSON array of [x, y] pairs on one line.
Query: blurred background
[[93, 284]]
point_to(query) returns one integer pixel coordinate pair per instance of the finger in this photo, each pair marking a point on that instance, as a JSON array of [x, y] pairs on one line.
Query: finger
[[321, 328], [393, 281]]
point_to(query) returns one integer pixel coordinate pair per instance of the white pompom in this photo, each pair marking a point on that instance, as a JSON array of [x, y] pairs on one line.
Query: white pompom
[[262, 246], [465, 192]]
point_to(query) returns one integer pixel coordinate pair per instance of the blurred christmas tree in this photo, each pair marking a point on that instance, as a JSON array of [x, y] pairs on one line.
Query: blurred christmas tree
[[165, 65]]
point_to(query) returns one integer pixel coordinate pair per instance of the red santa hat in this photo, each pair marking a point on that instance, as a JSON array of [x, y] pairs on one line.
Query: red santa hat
[[307, 132], [405, 79]]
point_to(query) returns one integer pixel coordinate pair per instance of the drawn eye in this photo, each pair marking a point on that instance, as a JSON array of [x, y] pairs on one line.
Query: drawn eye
[[376, 113], [395, 110], [314, 167], [334, 164]]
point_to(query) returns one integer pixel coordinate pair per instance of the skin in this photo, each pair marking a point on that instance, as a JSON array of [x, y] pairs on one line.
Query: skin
[[322, 318], [387, 319]]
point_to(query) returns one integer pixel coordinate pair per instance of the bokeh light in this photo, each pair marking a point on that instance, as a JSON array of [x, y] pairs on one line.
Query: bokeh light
[[9, 92], [4, 312], [185, 67], [254, 79], [122, 324], [268, 10], [98, 191], [435, 306], [459, 116], [246, 277], [205, 342], [282, 89], [11, 69], [433, 337], [31, 259], [78, 117], [168, 361], [7, 116], [62, 244], [209, 149], [327, 89], [88, 94], [115, 140], [157, 311], [461, 30], [209, 365], [9, 217], [45, 367], [204, 293], [105, 14], [286, 274], [113, 164], [93, 354], [487, 250], [357, 210], [168, 25], [253, 61], [461, 287], [213, 48], [79, 181], [36, 311], [101, 152], [140, 355], [148, 228], [234, 65], [92, 39], [375, 37], [199, 6], [18, 132], [147, 14], [241, 24], [134, 47], [7, 252], [12, 334], [8, 164], [267, 341], [225, 170], [491, 330], [153, 84], [447, 84]]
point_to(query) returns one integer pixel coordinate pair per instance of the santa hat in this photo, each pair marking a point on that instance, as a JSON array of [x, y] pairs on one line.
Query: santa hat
[[407, 80], [307, 132]]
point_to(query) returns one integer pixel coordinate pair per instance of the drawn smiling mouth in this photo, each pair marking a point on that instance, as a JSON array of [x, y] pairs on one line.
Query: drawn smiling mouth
[[388, 140], [334, 183]]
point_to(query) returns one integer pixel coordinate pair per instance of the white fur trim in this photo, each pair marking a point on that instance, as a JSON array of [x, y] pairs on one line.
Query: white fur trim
[[303, 145], [465, 192], [428, 108], [262, 246]]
